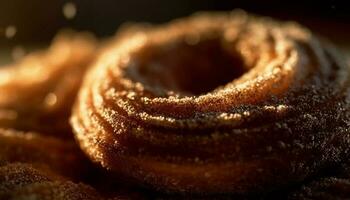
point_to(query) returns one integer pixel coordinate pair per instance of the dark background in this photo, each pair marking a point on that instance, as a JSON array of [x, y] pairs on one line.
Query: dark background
[[37, 21]]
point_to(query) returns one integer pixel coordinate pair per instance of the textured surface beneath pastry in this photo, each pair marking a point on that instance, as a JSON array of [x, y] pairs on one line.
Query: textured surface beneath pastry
[[327, 188], [61, 156], [38, 91], [25, 181], [37, 167], [282, 117], [335, 185]]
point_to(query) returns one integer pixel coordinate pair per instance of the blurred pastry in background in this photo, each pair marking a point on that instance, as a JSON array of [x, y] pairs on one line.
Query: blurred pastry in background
[[37, 92]]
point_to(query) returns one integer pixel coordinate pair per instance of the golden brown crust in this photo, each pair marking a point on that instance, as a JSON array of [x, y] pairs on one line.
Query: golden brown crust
[[37, 92], [281, 117]]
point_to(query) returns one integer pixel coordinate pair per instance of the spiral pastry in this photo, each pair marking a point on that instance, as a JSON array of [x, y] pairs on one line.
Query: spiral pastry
[[216, 103], [37, 93]]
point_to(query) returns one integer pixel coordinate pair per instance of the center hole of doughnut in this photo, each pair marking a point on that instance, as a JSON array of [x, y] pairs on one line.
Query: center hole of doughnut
[[190, 69]]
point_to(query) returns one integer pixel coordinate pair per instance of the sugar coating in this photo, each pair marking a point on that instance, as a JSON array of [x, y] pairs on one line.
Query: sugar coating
[[284, 116]]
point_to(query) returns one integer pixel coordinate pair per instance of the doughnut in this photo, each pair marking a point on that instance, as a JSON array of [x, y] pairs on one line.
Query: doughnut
[[216, 103], [37, 92]]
